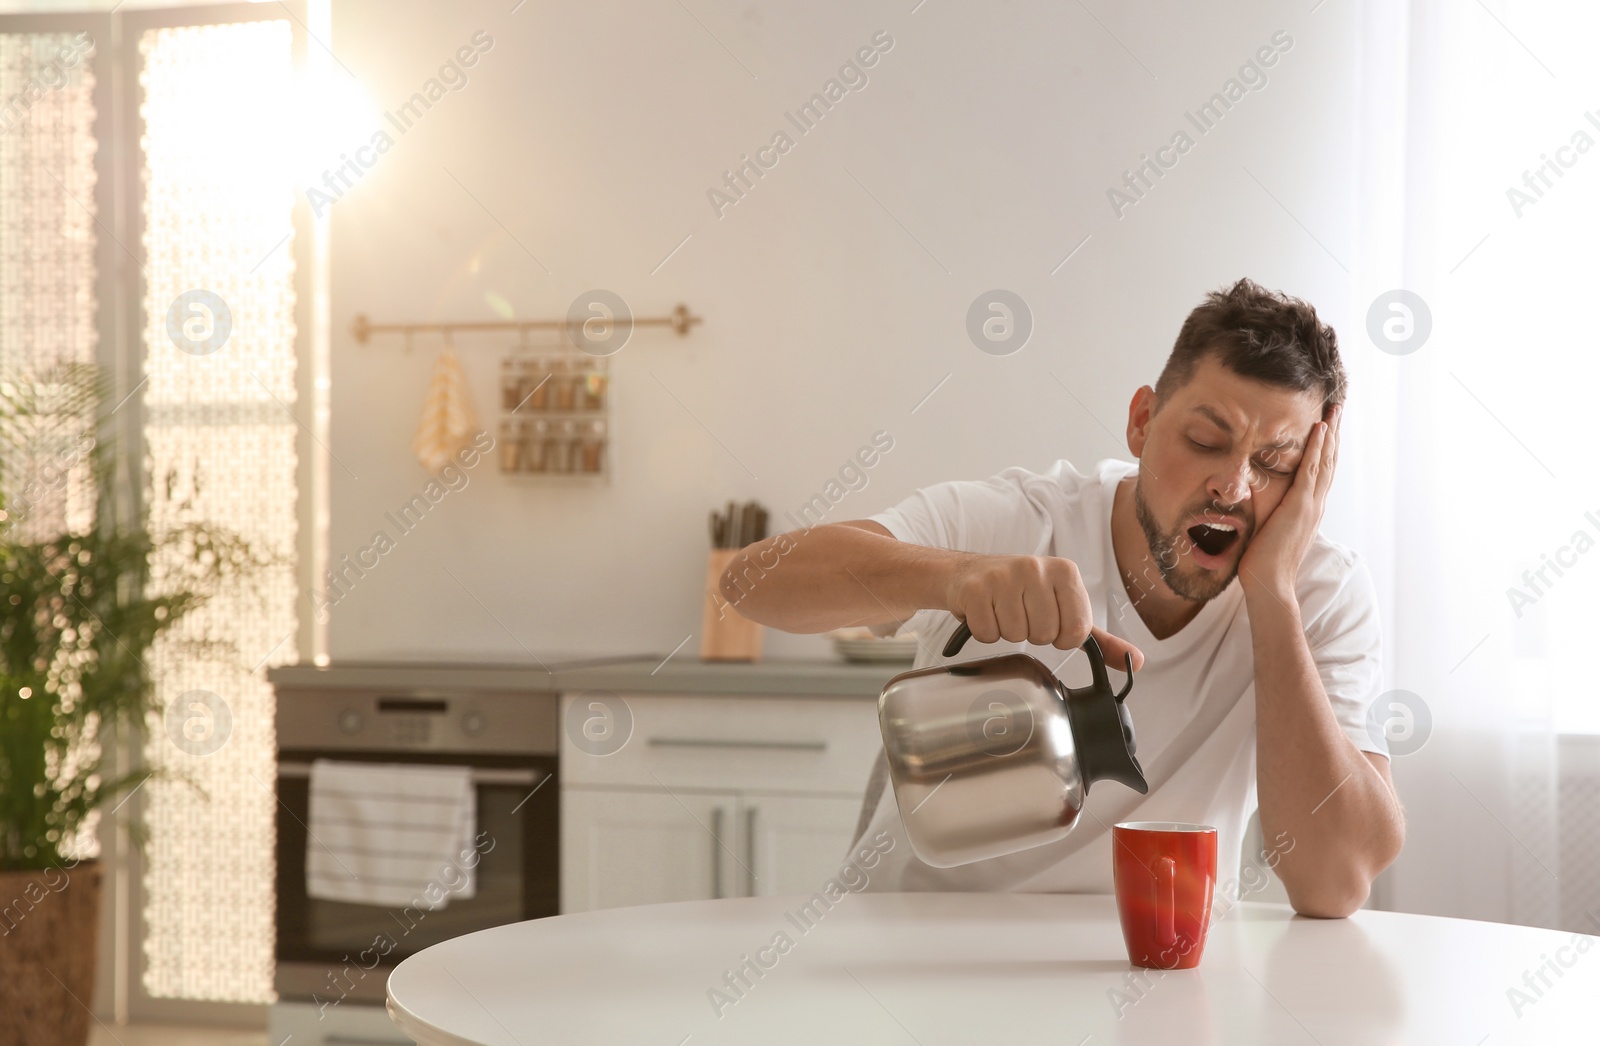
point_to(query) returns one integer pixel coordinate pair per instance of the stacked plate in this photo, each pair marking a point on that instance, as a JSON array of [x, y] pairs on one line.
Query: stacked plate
[[860, 645]]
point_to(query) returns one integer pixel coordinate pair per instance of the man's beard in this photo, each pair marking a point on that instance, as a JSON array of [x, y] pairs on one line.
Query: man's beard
[[1197, 584]]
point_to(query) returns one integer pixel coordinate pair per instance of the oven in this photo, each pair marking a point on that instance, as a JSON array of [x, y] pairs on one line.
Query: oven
[[332, 952]]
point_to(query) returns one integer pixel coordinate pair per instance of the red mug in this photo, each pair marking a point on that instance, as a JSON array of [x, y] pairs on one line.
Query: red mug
[[1165, 873]]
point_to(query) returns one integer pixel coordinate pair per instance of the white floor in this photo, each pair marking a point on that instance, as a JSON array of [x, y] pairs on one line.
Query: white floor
[[162, 1035]]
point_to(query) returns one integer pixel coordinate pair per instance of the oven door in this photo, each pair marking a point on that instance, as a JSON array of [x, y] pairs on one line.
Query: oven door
[[333, 951]]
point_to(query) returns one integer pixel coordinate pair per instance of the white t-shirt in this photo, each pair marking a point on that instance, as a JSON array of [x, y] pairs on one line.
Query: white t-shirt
[[1192, 704]]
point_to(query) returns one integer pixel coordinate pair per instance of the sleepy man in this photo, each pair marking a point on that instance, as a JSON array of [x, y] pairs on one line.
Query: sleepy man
[[1255, 640]]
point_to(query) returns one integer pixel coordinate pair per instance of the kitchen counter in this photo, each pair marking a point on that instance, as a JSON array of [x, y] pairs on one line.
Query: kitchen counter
[[631, 674]]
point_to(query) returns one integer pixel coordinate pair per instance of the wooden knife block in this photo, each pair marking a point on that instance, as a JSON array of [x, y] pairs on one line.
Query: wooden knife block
[[725, 634]]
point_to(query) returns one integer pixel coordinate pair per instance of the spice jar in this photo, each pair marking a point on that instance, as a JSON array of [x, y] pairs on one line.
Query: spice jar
[[594, 390], [535, 440], [565, 391], [510, 446], [510, 383], [561, 450], [535, 386], [592, 446]]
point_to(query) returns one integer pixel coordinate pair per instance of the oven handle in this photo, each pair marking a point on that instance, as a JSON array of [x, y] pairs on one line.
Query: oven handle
[[480, 775], [725, 742]]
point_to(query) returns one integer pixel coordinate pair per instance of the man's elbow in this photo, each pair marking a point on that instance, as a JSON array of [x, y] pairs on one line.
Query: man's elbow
[[1329, 904], [1340, 900]]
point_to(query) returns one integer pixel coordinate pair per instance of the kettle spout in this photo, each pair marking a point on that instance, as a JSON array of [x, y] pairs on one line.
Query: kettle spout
[[1130, 774], [1102, 727]]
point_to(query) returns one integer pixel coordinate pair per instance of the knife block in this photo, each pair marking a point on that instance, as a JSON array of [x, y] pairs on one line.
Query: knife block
[[725, 634]]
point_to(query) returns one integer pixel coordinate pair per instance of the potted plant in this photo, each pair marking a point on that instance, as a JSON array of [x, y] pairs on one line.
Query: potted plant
[[78, 616]]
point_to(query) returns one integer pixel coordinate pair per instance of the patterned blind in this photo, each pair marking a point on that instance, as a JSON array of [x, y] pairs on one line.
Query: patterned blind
[[219, 348], [47, 243]]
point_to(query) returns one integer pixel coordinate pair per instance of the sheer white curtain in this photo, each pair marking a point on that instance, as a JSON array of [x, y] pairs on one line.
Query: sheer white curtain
[[1475, 472]]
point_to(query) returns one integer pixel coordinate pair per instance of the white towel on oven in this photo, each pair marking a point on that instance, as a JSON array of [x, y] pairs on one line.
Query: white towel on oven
[[391, 834]]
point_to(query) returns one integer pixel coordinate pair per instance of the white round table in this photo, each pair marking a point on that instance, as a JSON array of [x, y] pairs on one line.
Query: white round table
[[963, 968]]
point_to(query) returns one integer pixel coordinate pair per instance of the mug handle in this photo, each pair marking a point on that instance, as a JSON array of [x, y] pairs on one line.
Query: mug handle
[[1166, 902]]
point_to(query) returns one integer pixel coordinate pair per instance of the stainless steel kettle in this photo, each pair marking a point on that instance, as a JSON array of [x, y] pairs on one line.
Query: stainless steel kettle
[[993, 756]]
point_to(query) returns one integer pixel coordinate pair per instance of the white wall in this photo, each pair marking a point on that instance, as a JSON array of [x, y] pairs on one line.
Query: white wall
[[588, 136]]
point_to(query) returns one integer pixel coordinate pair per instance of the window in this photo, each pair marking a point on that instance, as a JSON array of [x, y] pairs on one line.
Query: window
[[189, 272]]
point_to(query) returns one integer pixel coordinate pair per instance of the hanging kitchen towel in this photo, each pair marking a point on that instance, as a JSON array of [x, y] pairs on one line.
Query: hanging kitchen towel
[[391, 834], [447, 418]]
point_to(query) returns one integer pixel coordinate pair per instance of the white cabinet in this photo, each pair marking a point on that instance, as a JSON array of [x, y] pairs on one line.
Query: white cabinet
[[714, 797], [796, 843], [630, 847]]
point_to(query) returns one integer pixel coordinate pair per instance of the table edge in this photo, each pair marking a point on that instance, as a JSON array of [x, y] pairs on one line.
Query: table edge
[[414, 1027]]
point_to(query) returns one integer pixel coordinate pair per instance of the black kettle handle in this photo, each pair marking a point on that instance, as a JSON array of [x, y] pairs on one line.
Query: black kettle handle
[[1097, 660], [958, 639]]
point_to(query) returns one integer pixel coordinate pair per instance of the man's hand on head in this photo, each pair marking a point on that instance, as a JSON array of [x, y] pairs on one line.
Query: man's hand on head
[[1272, 562]]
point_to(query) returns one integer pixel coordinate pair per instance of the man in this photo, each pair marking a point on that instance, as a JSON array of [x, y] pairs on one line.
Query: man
[[1255, 640]]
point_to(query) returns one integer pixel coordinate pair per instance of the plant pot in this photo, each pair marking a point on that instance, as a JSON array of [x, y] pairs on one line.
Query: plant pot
[[49, 927]]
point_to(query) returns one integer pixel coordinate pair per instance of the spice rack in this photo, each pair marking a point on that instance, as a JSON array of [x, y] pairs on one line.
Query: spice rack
[[555, 415], [555, 402]]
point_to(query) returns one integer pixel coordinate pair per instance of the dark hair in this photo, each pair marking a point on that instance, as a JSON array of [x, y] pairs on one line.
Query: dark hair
[[1260, 334]]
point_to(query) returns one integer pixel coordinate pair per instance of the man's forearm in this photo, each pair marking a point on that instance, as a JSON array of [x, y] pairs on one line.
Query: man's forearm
[[833, 576], [1312, 781]]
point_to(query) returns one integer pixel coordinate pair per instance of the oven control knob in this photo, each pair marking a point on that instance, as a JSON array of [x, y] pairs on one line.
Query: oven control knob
[[473, 724], [350, 721]]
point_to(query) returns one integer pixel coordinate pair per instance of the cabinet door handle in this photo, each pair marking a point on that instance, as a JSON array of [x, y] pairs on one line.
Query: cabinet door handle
[[716, 852], [723, 742], [750, 851]]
